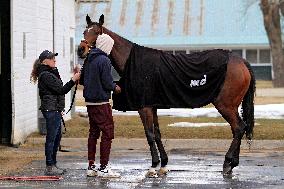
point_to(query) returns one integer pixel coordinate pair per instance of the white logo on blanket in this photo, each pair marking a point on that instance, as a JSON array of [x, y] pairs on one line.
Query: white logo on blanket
[[196, 83]]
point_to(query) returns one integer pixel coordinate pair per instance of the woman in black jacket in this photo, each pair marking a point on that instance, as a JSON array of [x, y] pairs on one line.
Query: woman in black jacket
[[51, 92]]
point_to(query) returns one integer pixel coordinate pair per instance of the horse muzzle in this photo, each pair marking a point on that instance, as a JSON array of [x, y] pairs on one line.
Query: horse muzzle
[[83, 49], [82, 52]]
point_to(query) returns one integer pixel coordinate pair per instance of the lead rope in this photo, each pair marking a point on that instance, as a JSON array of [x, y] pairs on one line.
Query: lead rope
[[73, 98], [76, 69], [62, 119], [71, 105]]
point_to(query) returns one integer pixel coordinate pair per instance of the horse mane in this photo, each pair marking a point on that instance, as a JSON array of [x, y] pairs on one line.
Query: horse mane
[[122, 46], [120, 51]]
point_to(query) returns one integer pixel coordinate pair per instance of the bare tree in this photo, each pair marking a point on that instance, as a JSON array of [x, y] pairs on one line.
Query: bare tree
[[272, 11]]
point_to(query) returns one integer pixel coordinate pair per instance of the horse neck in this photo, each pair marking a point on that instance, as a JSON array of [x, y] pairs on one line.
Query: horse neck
[[120, 51]]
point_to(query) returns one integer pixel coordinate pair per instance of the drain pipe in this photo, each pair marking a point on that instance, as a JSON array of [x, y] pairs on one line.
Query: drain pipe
[[53, 25]]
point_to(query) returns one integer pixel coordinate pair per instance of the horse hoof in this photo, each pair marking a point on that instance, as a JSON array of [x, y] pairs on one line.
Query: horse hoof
[[163, 171], [152, 173], [227, 170]]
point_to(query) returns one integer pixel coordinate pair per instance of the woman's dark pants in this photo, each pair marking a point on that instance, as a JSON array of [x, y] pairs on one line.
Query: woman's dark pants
[[100, 120], [53, 135]]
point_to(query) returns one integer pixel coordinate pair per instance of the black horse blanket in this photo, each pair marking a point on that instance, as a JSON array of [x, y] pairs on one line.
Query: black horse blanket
[[153, 78]]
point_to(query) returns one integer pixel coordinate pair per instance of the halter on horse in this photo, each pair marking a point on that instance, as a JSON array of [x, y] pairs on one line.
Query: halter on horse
[[237, 88]]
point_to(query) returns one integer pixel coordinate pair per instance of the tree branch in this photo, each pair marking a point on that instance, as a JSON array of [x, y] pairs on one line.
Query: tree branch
[[281, 6]]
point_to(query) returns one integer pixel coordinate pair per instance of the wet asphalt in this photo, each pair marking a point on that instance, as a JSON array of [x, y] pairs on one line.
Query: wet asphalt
[[191, 166]]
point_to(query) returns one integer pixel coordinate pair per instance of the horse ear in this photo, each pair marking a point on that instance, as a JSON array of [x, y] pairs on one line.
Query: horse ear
[[88, 19], [102, 20]]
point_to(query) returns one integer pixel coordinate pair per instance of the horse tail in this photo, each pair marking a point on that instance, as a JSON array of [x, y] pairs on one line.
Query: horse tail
[[248, 105]]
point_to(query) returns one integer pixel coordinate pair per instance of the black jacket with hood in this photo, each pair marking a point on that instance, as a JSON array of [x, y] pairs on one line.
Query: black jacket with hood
[[51, 89], [96, 77]]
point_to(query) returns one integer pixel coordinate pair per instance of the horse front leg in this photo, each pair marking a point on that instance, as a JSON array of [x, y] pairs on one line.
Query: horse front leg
[[146, 115], [163, 155]]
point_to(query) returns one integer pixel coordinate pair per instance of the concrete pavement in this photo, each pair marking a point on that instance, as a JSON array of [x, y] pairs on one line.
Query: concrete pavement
[[193, 163]]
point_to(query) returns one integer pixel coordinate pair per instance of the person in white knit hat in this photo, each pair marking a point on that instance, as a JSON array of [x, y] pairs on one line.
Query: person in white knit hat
[[105, 43], [98, 84]]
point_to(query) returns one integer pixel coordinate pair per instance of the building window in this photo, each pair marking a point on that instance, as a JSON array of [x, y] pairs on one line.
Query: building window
[[259, 56], [251, 55], [264, 56], [238, 52]]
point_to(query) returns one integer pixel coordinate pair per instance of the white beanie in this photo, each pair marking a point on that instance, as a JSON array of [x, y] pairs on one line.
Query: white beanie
[[105, 43]]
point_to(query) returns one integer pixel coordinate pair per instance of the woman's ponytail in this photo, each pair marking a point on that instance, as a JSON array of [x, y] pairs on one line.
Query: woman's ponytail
[[34, 74]]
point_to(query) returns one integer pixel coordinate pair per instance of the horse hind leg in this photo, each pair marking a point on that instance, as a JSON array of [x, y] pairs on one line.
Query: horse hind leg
[[146, 115], [227, 105], [158, 139], [236, 85], [233, 154], [238, 130]]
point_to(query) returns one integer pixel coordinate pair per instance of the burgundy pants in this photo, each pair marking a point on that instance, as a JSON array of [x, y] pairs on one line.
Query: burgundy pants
[[101, 121]]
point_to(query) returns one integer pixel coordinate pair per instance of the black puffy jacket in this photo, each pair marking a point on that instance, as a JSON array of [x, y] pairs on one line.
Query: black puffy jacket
[[51, 89]]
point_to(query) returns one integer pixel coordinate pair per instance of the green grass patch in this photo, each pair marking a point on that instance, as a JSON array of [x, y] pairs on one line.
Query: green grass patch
[[131, 127]]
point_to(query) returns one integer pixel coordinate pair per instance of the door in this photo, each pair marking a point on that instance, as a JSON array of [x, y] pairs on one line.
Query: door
[[5, 74]]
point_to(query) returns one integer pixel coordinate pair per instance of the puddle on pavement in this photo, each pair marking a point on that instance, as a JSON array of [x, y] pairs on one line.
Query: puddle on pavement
[[200, 171]]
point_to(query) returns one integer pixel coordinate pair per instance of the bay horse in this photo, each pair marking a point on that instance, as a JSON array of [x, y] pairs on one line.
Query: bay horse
[[237, 88]]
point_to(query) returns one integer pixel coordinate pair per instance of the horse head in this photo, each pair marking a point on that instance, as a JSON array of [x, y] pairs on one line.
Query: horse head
[[93, 29], [121, 48]]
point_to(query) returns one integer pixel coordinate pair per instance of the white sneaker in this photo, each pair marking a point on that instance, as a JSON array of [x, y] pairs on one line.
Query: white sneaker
[[92, 171], [107, 173], [152, 173]]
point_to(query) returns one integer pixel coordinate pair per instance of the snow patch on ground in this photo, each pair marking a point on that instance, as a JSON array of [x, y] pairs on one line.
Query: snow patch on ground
[[190, 124], [268, 111]]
